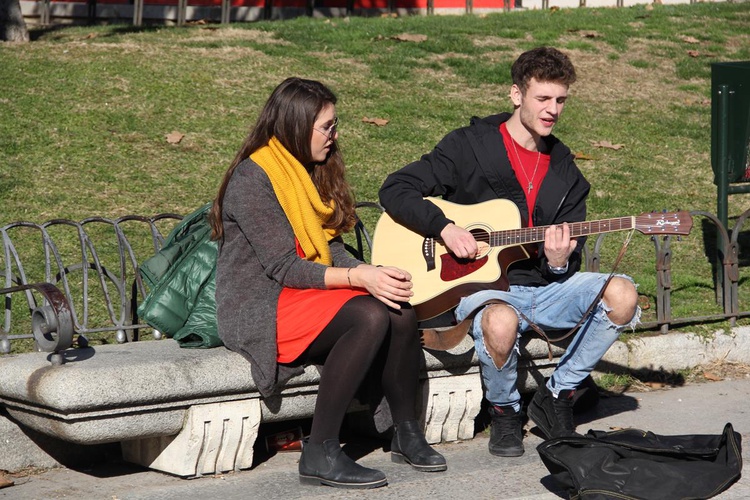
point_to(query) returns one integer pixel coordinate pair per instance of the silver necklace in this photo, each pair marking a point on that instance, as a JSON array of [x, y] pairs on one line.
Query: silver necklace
[[520, 164]]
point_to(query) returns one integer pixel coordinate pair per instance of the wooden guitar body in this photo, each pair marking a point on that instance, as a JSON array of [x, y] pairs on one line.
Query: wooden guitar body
[[439, 278]]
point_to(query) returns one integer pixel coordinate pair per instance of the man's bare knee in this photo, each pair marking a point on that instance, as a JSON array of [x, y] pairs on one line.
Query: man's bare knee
[[499, 326], [622, 299]]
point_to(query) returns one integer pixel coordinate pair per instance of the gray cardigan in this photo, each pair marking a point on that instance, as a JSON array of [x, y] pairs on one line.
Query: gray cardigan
[[257, 258]]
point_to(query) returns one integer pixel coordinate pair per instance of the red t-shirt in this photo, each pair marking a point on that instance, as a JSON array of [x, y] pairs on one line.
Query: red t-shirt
[[530, 168]]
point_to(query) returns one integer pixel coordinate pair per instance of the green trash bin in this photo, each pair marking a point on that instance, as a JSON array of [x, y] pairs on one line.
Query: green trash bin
[[730, 121], [730, 142]]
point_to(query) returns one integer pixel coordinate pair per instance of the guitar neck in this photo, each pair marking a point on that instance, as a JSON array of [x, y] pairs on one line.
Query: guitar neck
[[536, 234]]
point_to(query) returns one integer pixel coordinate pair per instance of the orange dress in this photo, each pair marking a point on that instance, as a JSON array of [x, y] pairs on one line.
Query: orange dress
[[302, 313]]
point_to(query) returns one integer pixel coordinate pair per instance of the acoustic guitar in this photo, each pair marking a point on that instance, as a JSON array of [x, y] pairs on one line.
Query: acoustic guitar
[[440, 279]]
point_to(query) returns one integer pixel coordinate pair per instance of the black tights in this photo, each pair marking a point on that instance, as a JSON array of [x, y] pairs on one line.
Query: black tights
[[362, 329]]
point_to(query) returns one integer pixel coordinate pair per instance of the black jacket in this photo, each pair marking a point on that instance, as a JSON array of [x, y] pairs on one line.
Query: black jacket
[[470, 165]]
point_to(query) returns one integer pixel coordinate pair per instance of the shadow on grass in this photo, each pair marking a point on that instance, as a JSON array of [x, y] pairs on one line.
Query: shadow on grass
[[115, 28]]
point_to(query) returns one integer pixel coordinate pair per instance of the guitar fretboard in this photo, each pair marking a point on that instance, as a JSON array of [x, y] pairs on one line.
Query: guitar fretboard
[[536, 234]]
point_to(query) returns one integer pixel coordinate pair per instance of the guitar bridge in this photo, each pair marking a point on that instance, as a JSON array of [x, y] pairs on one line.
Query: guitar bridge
[[428, 253]]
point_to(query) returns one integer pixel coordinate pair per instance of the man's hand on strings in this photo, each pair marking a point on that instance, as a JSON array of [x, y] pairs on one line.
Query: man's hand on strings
[[459, 241], [558, 245]]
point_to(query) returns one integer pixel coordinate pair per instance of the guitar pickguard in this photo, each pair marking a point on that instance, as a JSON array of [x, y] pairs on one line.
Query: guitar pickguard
[[453, 268]]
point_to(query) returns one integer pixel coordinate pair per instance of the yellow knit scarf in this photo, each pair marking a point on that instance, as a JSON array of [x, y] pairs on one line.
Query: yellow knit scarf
[[299, 198]]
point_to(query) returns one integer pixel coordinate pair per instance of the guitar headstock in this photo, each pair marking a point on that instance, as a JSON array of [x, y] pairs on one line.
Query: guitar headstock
[[679, 223]]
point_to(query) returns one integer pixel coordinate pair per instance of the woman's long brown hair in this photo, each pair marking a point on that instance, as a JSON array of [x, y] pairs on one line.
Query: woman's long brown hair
[[289, 115]]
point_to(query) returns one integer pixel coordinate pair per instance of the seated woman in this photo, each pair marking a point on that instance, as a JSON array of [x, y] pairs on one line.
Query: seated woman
[[289, 294]]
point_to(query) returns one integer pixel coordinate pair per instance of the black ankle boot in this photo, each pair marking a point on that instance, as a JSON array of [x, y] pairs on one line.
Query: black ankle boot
[[326, 464], [553, 415], [410, 446], [506, 431]]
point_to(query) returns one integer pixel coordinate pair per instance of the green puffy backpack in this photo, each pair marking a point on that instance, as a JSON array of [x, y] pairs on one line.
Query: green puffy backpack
[[181, 278]]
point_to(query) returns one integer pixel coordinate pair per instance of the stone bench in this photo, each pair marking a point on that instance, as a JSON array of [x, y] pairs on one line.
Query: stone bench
[[192, 412]]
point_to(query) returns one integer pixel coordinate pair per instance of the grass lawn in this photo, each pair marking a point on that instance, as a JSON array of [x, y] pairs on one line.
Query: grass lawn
[[85, 111]]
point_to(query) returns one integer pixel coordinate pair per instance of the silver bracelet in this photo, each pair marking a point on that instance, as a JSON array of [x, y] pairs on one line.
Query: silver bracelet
[[558, 270]]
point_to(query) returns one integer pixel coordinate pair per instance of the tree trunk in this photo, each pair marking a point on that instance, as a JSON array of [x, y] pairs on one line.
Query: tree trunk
[[12, 25]]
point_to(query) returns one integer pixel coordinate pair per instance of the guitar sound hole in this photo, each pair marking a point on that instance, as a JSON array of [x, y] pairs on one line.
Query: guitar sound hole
[[483, 241]]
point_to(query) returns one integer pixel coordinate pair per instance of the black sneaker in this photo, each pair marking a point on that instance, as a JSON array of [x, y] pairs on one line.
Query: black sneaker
[[506, 432], [553, 415]]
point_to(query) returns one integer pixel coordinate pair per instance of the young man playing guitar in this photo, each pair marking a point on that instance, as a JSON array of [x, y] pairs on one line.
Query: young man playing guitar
[[516, 157]]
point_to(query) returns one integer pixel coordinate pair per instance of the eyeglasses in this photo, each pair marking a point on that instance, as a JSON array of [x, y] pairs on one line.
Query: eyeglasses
[[330, 131]]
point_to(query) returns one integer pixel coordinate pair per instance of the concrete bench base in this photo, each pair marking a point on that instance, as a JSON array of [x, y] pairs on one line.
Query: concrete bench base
[[219, 437]]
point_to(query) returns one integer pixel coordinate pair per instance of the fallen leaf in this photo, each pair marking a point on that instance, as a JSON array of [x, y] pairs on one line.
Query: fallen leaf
[[644, 302], [583, 156], [410, 37], [693, 53], [174, 137], [711, 376], [380, 122], [90, 36], [554, 8], [5, 482], [689, 39], [656, 385], [606, 144]]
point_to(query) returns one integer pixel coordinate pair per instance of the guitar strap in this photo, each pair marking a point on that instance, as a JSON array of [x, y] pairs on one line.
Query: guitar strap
[[445, 339]]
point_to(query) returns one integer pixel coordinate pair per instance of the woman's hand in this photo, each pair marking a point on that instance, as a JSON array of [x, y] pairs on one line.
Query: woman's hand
[[388, 284]]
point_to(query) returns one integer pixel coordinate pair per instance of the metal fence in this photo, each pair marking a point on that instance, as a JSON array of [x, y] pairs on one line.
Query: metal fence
[[57, 272]]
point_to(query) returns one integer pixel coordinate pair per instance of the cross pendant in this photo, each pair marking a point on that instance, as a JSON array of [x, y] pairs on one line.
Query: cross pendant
[[531, 186]]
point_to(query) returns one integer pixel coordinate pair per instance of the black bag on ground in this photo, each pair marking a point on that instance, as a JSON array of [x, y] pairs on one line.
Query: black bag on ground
[[635, 464]]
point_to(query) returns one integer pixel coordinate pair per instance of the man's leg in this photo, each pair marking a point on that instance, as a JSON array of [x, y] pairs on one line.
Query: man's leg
[[495, 332], [552, 406], [597, 334]]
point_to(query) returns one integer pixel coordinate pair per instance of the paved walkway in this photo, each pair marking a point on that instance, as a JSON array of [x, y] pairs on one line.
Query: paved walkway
[[472, 472]]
